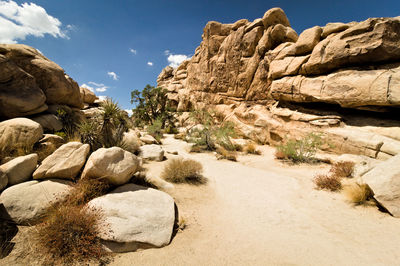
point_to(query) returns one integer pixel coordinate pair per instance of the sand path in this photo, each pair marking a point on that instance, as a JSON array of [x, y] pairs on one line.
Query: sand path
[[260, 212]]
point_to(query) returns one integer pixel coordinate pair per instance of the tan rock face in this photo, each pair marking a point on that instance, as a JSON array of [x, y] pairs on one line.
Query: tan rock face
[[58, 88], [19, 133], [112, 164], [20, 169], [65, 162], [87, 95]]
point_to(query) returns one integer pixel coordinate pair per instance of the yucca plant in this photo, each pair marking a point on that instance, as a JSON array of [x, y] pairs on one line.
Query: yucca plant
[[113, 123]]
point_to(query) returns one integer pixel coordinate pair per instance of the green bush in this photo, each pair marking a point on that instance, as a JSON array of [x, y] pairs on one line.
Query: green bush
[[211, 134], [152, 104], [302, 150], [155, 130]]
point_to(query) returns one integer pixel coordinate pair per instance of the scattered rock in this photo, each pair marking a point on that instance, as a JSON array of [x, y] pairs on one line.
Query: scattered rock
[[135, 217], [148, 139], [19, 133], [131, 141], [20, 169], [384, 180], [65, 162], [112, 164], [152, 152], [26, 203], [49, 122]]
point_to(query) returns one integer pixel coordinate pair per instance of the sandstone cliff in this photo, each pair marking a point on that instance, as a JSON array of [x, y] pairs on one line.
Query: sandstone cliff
[[275, 84]]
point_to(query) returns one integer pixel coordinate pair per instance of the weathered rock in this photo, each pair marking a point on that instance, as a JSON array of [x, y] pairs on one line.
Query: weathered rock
[[51, 79], [20, 169], [131, 141], [348, 88], [308, 39], [384, 180], [19, 133], [333, 28], [54, 139], [372, 41], [3, 180], [65, 162], [275, 16], [152, 152], [19, 93], [49, 122], [27, 202], [112, 164], [135, 217], [148, 139], [87, 95]]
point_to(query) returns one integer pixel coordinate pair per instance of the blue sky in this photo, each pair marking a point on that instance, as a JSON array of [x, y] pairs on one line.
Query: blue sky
[[116, 46]]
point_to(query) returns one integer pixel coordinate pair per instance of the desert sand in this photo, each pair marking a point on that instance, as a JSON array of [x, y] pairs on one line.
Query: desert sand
[[259, 211]]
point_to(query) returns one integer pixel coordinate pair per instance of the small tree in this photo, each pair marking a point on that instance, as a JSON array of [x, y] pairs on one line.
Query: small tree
[[152, 104]]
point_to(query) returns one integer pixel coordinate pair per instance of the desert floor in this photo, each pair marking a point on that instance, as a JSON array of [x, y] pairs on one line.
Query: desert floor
[[259, 211]]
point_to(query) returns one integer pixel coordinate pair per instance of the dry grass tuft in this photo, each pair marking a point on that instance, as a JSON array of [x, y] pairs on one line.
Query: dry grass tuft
[[342, 169], [181, 170], [223, 153], [327, 182], [69, 235], [251, 148], [181, 136], [358, 193], [198, 148]]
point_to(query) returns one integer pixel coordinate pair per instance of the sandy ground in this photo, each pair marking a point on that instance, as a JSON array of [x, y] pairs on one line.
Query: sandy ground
[[261, 212]]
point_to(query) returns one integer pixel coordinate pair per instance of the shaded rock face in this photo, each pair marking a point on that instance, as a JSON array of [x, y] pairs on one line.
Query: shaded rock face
[[263, 77], [29, 81]]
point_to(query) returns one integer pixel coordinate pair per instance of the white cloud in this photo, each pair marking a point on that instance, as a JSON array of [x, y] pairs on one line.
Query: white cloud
[[102, 97], [99, 87], [113, 75], [96, 84], [175, 60], [133, 51], [150, 63], [129, 111], [17, 22], [167, 52]]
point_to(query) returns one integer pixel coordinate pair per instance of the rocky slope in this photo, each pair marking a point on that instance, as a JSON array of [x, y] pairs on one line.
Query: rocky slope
[[275, 84]]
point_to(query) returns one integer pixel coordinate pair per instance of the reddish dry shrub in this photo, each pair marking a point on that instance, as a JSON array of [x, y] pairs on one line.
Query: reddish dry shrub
[[69, 234], [226, 154], [342, 169], [331, 183], [280, 155]]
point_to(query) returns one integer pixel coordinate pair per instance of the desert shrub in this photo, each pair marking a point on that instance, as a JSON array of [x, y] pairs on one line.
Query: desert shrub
[[301, 150], [113, 123], [152, 104], [181, 170], [61, 134], [358, 193], [342, 169], [69, 234], [328, 182], [251, 148], [211, 133], [223, 153], [155, 130], [181, 136], [69, 120]]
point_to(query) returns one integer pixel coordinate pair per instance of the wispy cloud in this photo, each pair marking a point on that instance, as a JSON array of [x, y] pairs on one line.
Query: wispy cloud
[[99, 87], [175, 60], [102, 97], [19, 21], [113, 75], [133, 51], [150, 63]]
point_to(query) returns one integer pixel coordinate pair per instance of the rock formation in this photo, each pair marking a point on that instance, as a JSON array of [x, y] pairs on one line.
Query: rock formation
[[275, 84]]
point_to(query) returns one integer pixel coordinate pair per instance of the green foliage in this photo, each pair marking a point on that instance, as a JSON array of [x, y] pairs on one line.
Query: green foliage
[[155, 129], [301, 150], [152, 104], [211, 133], [61, 134], [69, 121]]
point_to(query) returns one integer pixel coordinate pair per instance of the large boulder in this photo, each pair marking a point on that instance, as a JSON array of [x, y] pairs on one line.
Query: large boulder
[[114, 165], [19, 93], [27, 202], [384, 180], [87, 95], [148, 139], [131, 141], [3, 180], [20, 169], [19, 133], [151, 152], [135, 217], [49, 122], [58, 87], [65, 162]]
